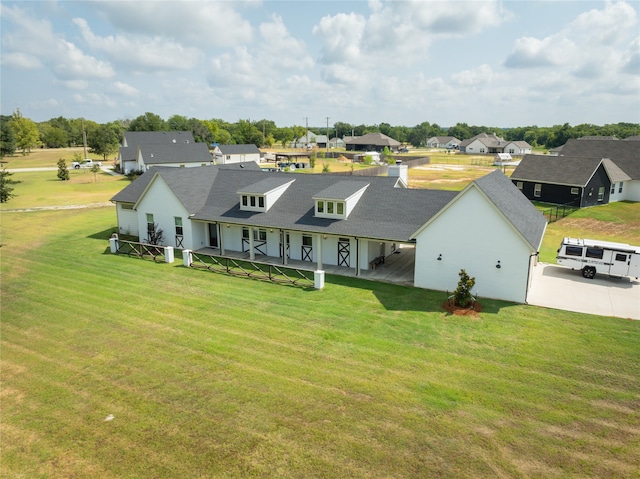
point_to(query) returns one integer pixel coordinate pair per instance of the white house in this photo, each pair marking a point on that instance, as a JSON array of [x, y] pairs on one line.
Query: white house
[[517, 148], [448, 142], [351, 224], [484, 144], [142, 150], [490, 230], [228, 154]]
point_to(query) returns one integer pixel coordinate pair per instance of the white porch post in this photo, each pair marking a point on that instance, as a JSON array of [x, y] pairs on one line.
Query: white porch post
[[252, 253], [319, 251], [357, 257], [220, 243], [283, 235]]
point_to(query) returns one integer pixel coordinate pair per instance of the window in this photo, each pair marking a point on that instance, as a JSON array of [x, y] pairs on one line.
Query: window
[[537, 189], [245, 233], [613, 188], [573, 251], [307, 240], [320, 206], [621, 257], [330, 207], [340, 208], [260, 201], [519, 185], [620, 189], [575, 191], [601, 193], [253, 201], [595, 253], [150, 223], [245, 200], [178, 223], [259, 235]]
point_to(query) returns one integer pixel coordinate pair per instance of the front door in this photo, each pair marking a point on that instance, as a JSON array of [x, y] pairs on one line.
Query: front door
[[343, 251], [213, 235], [619, 263]]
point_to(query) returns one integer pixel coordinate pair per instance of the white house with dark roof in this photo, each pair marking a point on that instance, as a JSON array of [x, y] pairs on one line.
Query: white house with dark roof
[[346, 226], [142, 150], [228, 154], [449, 142], [485, 144]]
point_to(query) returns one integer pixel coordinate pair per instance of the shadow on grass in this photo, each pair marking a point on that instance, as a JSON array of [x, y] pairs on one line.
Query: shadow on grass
[[104, 235], [395, 297]]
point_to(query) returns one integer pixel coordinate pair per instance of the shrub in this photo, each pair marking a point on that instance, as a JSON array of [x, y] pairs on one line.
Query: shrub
[[462, 295]]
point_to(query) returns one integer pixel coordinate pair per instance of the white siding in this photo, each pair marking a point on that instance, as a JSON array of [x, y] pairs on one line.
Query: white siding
[[470, 234], [631, 191], [127, 220], [160, 201]]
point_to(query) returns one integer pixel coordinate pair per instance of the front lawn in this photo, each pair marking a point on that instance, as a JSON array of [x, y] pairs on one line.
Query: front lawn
[[116, 367]]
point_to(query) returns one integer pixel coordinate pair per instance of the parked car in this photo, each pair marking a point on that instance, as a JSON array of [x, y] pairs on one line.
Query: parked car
[[86, 163]]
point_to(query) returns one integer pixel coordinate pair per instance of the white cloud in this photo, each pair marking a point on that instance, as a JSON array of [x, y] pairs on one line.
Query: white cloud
[[476, 76], [277, 46], [141, 53], [21, 60], [194, 22], [125, 89], [33, 39], [76, 84]]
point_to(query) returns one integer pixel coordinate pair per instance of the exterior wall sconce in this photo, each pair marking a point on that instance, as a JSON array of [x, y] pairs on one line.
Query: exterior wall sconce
[[324, 236], [228, 226], [440, 257], [271, 230], [498, 265]]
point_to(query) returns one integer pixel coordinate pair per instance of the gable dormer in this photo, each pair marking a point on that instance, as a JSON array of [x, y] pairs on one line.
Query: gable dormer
[[338, 200], [262, 195]]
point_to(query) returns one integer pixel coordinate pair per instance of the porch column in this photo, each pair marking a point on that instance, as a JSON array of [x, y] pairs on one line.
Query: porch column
[[220, 243], [319, 251], [252, 253], [283, 235], [357, 257]]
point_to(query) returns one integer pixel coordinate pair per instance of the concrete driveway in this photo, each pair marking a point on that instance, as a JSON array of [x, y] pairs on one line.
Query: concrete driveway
[[558, 287]]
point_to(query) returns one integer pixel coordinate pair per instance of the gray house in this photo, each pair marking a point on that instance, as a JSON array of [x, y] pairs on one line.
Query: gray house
[[142, 150]]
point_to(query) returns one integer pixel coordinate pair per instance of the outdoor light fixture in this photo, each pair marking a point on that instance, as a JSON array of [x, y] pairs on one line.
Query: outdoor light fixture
[[440, 257], [324, 236], [498, 265]]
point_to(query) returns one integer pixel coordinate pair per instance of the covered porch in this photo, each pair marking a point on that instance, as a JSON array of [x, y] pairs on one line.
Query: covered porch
[[398, 267]]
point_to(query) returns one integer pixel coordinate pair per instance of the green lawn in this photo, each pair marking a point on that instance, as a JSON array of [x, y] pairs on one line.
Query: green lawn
[[214, 376]]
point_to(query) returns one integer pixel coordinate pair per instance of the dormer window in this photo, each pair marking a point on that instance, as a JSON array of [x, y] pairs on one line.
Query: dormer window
[[261, 196], [338, 201]]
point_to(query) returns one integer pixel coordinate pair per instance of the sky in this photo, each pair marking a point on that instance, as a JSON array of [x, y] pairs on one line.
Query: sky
[[495, 63]]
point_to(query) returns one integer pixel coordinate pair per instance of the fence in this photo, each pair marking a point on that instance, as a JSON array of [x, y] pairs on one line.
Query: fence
[[141, 250], [251, 269], [558, 212], [383, 169]]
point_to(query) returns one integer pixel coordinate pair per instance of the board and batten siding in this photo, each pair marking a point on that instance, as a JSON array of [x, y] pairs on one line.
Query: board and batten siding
[[471, 234], [127, 219], [160, 201]]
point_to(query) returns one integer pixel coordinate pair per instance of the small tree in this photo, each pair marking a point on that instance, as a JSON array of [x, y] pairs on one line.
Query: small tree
[[325, 168], [63, 172], [312, 159], [462, 295], [5, 185], [95, 169]]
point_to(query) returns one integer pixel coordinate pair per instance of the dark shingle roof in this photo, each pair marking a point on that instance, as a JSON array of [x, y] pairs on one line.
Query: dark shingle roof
[[559, 170], [160, 147], [341, 190], [514, 206], [265, 185], [378, 139], [625, 154], [238, 149]]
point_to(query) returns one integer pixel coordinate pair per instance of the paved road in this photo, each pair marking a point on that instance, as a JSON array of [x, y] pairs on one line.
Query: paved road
[[558, 287], [106, 169]]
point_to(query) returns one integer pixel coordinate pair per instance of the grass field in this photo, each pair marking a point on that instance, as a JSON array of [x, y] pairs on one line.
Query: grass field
[[207, 375], [47, 158]]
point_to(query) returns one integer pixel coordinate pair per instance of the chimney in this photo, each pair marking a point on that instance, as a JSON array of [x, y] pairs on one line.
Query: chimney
[[399, 171]]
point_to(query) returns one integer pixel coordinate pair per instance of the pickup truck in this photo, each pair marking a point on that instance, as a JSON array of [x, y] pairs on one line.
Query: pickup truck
[[86, 163]]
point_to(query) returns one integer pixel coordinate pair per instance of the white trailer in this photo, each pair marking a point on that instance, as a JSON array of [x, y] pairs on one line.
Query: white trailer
[[593, 256]]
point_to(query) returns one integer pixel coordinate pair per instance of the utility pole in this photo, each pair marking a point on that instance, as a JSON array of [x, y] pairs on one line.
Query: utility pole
[[327, 134], [84, 139], [306, 119]]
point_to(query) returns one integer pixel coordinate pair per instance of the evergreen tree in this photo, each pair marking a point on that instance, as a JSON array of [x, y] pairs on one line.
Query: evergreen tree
[[5, 185], [63, 172]]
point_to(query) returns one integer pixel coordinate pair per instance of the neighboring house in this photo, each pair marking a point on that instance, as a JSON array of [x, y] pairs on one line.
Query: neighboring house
[[309, 140], [486, 144], [371, 142], [490, 230], [448, 142], [568, 180], [348, 223], [142, 150], [336, 142], [625, 154], [227, 154]]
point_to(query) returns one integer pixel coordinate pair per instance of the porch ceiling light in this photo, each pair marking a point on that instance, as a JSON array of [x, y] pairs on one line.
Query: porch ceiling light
[[440, 257], [498, 265]]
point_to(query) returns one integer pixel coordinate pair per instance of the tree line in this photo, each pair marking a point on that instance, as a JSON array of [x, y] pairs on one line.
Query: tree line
[[18, 133]]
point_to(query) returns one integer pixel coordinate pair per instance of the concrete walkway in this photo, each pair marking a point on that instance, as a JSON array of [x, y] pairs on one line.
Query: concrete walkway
[[558, 287]]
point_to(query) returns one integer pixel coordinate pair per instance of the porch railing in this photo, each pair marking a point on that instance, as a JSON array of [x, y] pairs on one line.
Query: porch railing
[[141, 250], [253, 269]]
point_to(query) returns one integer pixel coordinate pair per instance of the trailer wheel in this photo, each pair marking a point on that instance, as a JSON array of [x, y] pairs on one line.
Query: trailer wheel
[[77, 167], [589, 272]]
